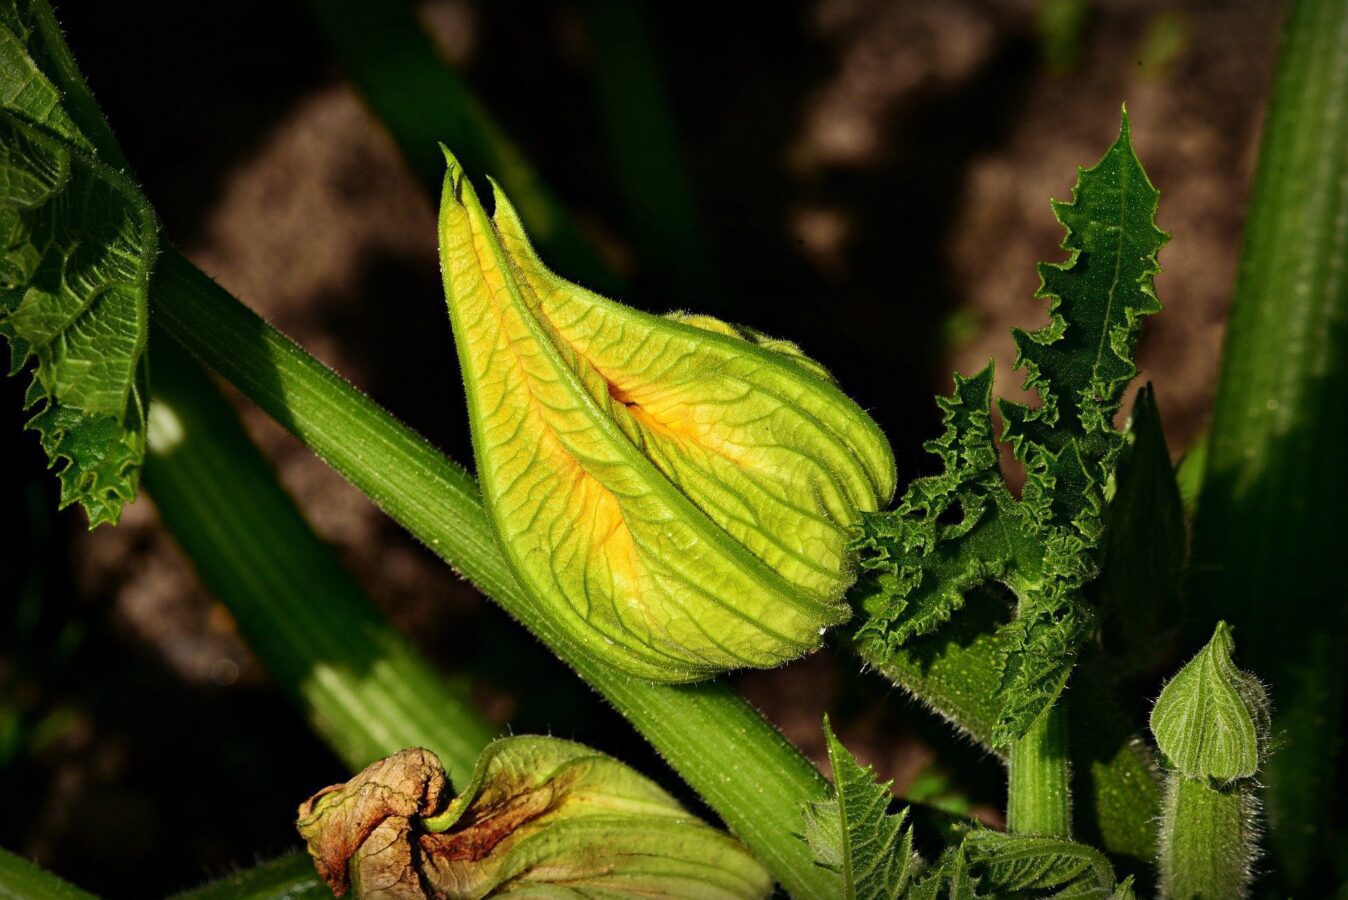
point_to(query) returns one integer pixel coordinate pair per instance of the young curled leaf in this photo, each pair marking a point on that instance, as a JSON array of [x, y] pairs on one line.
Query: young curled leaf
[[678, 494], [540, 815]]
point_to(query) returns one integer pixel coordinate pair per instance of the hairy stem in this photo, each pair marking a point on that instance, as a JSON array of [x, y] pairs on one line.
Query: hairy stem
[[740, 765], [21, 880], [291, 877], [1268, 540], [1038, 786], [1208, 840]]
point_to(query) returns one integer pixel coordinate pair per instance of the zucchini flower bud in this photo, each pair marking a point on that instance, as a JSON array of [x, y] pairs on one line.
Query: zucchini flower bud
[[1212, 725], [538, 813], [677, 494]]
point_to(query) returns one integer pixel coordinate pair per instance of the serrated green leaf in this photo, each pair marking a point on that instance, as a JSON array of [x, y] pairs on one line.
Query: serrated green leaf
[[1080, 362], [1021, 865], [854, 834], [948, 879], [679, 498], [1211, 720], [962, 528], [77, 244], [24, 86], [952, 531], [994, 864]]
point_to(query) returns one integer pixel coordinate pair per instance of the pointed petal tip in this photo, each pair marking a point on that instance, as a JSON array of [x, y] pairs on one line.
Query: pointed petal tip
[[501, 207], [454, 176], [451, 161]]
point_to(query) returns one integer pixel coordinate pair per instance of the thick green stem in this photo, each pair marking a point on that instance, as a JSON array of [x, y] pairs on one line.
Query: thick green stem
[[1208, 839], [365, 690], [291, 877], [1117, 790], [21, 880], [1268, 540], [1039, 796], [740, 765]]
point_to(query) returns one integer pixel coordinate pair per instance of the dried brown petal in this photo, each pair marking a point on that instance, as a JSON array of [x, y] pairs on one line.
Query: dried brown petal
[[339, 821]]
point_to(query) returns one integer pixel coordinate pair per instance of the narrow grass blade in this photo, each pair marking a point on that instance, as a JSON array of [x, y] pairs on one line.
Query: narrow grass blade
[[422, 101]]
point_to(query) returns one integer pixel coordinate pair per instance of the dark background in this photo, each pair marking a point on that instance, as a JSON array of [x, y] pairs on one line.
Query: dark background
[[871, 179]]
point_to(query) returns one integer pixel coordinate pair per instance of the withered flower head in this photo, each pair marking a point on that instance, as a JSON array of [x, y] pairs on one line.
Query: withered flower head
[[538, 813]]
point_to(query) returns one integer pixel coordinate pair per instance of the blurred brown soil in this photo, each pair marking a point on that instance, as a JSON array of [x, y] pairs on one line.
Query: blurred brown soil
[[874, 177]]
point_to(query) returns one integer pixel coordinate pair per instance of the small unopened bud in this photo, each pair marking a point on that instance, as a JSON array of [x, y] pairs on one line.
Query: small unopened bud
[[677, 494], [1211, 720], [1211, 724]]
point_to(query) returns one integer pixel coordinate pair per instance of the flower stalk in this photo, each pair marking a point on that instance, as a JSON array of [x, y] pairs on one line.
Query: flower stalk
[[1211, 723]]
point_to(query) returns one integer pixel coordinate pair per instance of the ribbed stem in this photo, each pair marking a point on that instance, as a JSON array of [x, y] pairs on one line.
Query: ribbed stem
[[1038, 786], [1207, 840], [364, 689]]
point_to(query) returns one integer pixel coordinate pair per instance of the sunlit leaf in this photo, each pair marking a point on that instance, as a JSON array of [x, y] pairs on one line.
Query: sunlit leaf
[[77, 245]]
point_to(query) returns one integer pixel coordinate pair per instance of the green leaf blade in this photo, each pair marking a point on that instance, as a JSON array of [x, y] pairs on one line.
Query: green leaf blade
[[962, 528], [1083, 359], [78, 248], [77, 245], [952, 531], [854, 834], [23, 85], [988, 863]]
